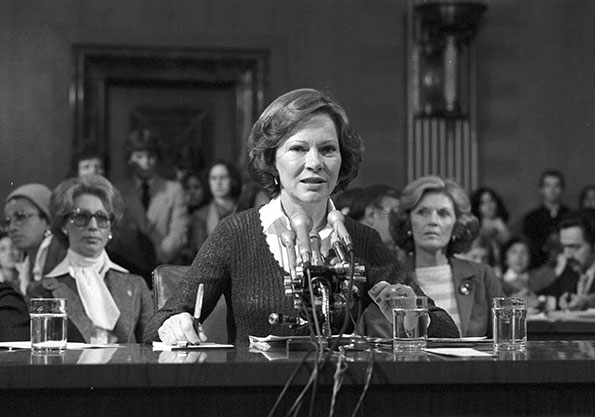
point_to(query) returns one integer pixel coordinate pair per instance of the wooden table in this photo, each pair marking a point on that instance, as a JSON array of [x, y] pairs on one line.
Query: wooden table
[[549, 379]]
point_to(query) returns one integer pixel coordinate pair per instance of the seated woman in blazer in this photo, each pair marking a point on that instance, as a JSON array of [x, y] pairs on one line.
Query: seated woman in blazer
[[106, 304], [434, 223]]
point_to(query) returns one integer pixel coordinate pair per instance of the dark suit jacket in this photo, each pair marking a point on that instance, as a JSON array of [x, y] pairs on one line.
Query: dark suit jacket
[[14, 315], [565, 283], [130, 293]]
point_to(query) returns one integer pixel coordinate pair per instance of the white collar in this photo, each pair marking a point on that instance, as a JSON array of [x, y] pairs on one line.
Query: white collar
[[63, 268], [274, 221]]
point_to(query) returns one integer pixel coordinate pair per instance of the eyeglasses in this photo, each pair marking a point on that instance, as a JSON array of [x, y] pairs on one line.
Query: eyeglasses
[[81, 218], [19, 218]]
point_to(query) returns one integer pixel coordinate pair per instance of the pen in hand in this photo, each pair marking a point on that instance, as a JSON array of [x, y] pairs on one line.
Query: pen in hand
[[197, 312], [198, 306]]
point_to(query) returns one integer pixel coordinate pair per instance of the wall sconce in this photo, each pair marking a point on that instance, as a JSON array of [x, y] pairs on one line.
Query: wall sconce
[[444, 32], [441, 105]]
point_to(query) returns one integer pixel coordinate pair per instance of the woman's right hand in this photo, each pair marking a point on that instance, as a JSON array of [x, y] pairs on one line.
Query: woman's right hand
[[180, 328]]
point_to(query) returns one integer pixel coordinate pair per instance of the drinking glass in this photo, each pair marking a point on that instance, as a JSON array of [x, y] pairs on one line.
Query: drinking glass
[[48, 324]]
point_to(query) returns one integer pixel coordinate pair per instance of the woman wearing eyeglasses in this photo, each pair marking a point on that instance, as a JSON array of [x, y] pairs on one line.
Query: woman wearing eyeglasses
[[106, 304], [27, 221]]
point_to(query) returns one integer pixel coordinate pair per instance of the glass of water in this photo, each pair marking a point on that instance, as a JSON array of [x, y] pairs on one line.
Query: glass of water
[[509, 319], [48, 324], [410, 323]]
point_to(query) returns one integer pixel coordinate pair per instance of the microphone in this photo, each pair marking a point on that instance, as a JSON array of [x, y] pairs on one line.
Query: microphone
[[337, 220], [315, 245], [288, 240], [301, 224]]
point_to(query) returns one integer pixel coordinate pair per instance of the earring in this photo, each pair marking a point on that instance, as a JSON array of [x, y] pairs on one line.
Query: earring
[[47, 233], [65, 231], [453, 238], [409, 233], [109, 237], [276, 181]]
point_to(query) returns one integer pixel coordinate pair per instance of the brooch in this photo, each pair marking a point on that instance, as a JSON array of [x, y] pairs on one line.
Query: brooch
[[465, 288]]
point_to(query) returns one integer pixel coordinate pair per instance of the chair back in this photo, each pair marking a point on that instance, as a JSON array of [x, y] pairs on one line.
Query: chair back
[[165, 280]]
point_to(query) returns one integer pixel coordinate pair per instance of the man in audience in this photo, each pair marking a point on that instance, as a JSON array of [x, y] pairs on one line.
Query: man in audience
[[540, 223], [574, 285], [373, 207], [87, 159], [156, 208]]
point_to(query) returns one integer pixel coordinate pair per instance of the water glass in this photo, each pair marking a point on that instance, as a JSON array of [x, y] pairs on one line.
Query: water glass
[[410, 323], [509, 318], [48, 324]]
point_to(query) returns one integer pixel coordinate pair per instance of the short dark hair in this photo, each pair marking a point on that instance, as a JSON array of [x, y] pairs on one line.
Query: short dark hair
[[552, 173], [466, 227], [371, 196], [63, 196], [284, 117], [86, 150], [142, 140], [581, 220]]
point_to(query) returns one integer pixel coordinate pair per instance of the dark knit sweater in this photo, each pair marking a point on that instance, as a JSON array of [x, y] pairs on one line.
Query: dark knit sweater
[[14, 315], [236, 261]]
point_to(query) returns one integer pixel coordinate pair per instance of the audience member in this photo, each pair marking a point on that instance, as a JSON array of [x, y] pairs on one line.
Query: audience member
[[225, 187], [434, 223], [543, 221], [373, 207], [301, 149], [483, 251], [574, 285], [586, 199], [155, 225], [106, 304], [14, 315], [516, 262], [27, 220], [8, 258], [491, 212], [194, 187], [87, 159], [345, 199], [252, 196], [195, 190]]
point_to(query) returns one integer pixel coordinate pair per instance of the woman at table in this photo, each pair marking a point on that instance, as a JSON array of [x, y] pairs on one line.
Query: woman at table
[[105, 303], [14, 315], [301, 149], [434, 222]]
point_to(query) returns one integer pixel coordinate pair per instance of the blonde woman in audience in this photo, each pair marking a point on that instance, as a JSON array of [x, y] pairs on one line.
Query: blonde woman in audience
[[433, 224], [27, 220], [8, 259], [106, 304]]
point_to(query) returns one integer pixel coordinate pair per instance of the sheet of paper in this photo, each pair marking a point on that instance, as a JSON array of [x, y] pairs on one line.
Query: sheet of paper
[[459, 352], [160, 346], [69, 345]]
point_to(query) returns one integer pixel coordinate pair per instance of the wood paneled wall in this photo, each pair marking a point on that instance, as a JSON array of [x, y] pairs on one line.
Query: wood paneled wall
[[535, 83]]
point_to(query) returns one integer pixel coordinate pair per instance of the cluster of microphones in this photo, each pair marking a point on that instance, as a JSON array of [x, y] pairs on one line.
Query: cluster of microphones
[[319, 285]]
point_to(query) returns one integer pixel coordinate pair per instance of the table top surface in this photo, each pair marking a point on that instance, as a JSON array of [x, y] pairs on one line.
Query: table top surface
[[137, 365]]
